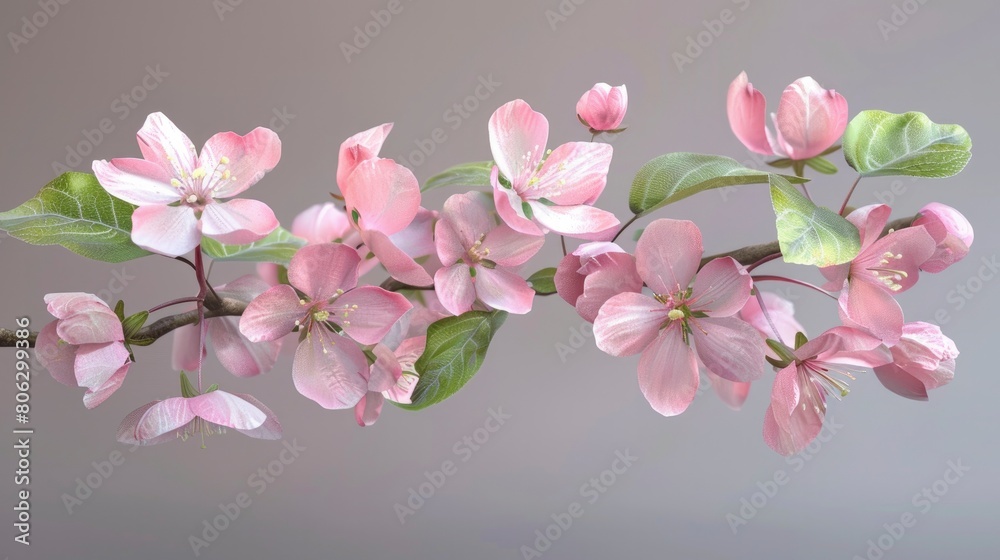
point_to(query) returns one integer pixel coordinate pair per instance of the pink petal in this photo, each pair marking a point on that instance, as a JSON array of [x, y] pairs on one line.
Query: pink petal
[[136, 181], [865, 304], [238, 221], [603, 107], [721, 288], [361, 147], [574, 173], [465, 219], [503, 289], [845, 346], [386, 369], [184, 355], [94, 397], [321, 223], [402, 391], [795, 416], [91, 324], [168, 230], [57, 356], [904, 251], [781, 312], [508, 247], [236, 353], [746, 108], [810, 118], [582, 221], [250, 158], [270, 429], [273, 314], [870, 221], [368, 313], [397, 263], [160, 419], [899, 381], [320, 270], [615, 275], [510, 207], [226, 409], [729, 348], [244, 288], [368, 409], [417, 239], [330, 370], [668, 373], [385, 194], [161, 142], [668, 254], [96, 363], [517, 139], [66, 304], [731, 393], [454, 288], [627, 323], [569, 282]]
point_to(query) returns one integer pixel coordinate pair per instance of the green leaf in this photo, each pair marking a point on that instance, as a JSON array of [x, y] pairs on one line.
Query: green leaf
[[810, 234], [543, 281], [475, 174], [456, 347], [132, 324], [671, 177], [278, 248], [878, 143], [822, 165], [74, 211]]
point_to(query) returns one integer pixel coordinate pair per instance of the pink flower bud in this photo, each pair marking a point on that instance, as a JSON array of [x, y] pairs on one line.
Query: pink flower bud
[[950, 230], [923, 359], [603, 107]]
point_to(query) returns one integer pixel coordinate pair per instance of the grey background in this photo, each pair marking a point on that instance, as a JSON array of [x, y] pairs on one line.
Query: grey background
[[569, 413]]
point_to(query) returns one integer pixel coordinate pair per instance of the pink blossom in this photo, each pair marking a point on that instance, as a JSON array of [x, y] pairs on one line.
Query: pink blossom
[[663, 326], [923, 359], [180, 193], [481, 257], [593, 273], [84, 346], [798, 398], [809, 120], [884, 267], [602, 107], [535, 196], [238, 355], [329, 367], [950, 230], [392, 377], [359, 148], [207, 414]]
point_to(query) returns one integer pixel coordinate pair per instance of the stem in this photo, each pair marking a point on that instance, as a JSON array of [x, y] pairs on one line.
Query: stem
[[767, 315], [767, 259], [793, 281], [199, 263], [806, 192], [562, 239], [624, 227], [843, 206], [172, 302]]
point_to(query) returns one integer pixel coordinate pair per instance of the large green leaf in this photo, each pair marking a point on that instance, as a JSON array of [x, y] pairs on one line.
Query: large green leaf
[[671, 177], [76, 212], [278, 248], [543, 281], [880, 143], [810, 234], [475, 174], [456, 347]]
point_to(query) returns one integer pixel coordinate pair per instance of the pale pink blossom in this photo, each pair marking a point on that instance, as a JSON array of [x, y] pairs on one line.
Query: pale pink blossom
[[798, 397], [201, 415], [809, 120], [950, 230], [885, 266], [923, 359], [392, 377], [481, 258], [533, 196], [84, 346], [592, 274], [182, 195], [359, 148], [602, 107], [333, 317], [664, 327]]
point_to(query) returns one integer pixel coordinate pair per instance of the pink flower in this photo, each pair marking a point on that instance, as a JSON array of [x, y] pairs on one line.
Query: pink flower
[[556, 196], [923, 359], [798, 398], [238, 355], [84, 346], [664, 326], [481, 258], [593, 273], [602, 108], [383, 199], [950, 230], [809, 120], [885, 266], [180, 192], [329, 367], [392, 377], [782, 316], [207, 414], [359, 148]]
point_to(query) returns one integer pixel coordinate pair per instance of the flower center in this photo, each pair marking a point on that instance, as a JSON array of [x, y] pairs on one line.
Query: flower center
[[477, 252], [675, 315], [889, 276], [198, 188]]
